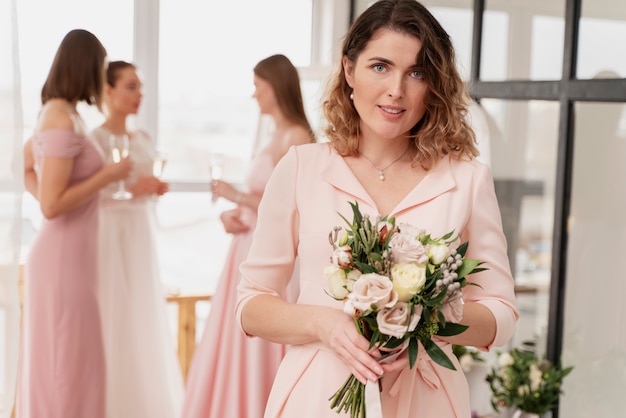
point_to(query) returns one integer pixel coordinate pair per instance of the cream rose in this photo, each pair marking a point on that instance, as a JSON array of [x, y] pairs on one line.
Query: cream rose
[[337, 281], [372, 292], [408, 279], [394, 321]]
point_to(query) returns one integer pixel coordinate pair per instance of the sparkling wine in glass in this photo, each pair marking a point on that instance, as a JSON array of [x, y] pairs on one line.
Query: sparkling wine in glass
[[216, 169], [119, 146], [158, 164]]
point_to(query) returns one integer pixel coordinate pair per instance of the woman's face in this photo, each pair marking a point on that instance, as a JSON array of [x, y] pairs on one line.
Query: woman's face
[[125, 97], [387, 85], [264, 95]]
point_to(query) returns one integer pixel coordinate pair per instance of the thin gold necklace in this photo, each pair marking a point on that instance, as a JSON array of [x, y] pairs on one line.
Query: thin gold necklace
[[381, 171]]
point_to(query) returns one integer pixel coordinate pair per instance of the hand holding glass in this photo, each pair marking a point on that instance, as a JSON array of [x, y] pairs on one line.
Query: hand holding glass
[[216, 167], [119, 146]]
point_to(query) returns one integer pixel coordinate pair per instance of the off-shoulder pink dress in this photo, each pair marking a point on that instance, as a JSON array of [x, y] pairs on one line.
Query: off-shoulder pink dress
[[230, 375], [307, 190], [62, 363]]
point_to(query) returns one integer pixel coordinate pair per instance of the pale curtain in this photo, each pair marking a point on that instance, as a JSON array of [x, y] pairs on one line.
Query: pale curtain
[[11, 187]]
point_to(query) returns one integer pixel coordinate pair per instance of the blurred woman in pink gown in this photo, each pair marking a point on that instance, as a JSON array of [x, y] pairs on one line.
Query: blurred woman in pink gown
[[399, 146], [62, 360], [231, 376]]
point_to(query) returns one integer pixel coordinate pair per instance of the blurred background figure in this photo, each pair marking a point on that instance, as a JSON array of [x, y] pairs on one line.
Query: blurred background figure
[[143, 374], [62, 366], [231, 375]]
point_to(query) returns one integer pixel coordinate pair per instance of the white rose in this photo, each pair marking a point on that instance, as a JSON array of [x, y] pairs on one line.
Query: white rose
[[438, 253], [337, 281], [408, 280], [372, 292]]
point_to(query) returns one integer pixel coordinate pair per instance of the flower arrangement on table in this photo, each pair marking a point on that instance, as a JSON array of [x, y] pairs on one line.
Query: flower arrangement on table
[[521, 380], [399, 284], [467, 356]]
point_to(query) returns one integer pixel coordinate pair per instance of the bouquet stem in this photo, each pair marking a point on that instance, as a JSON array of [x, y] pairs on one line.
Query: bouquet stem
[[350, 398]]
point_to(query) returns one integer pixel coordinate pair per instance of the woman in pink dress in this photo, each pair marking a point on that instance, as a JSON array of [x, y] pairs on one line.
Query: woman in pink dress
[[231, 376], [62, 361], [399, 146]]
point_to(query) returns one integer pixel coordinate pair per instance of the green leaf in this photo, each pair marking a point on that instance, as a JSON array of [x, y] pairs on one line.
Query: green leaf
[[437, 354], [468, 267], [462, 249], [449, 329], [413, 348]]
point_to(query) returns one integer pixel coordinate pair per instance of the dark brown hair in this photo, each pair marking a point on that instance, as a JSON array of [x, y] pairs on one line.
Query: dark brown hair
[[443, 129], [114, 68], [77, 72], [283, 77]]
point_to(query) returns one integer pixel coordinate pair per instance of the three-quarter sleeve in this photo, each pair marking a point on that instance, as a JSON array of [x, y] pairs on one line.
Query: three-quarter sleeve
[[270, 263], [488, 243]]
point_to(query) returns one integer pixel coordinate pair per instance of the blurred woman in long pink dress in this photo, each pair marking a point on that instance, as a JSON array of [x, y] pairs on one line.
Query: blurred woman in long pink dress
[[399, 146], [231, 376], [62, 360]]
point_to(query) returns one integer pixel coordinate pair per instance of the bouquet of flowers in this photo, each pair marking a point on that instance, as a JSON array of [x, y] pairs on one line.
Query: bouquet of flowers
[[521, 380], [399, 284]]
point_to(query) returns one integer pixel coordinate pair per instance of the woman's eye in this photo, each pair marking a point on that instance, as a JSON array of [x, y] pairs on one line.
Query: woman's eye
[[417, 74], [379, 68]]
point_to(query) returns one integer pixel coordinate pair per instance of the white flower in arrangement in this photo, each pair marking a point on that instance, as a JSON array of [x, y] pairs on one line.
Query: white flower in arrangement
[[505, 359], [438, 253], [467, 362], [535, 376]]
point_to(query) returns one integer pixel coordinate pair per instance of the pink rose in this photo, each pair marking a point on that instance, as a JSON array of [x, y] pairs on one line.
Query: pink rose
[[371, 292], [405, 248], [452, 308], [394, 321]]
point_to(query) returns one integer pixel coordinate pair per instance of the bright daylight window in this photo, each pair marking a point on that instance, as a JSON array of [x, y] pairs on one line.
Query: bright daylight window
[[206, 55], [206, 58]]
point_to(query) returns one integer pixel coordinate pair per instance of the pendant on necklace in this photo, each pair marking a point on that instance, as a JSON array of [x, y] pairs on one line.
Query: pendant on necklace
[[381, 175]]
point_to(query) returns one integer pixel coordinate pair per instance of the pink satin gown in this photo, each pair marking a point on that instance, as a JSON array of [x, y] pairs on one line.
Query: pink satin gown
[[231, 375], [62, 359]]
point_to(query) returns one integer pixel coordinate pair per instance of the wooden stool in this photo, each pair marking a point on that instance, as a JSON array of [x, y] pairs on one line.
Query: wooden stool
[[186, 326]]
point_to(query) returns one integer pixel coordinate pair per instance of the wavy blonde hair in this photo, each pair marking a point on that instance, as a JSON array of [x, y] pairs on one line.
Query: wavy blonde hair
[[443, 129]]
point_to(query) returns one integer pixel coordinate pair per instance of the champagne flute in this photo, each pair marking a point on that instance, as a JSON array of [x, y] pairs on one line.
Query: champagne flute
[[216, 169], [119, 146], [158, 164]]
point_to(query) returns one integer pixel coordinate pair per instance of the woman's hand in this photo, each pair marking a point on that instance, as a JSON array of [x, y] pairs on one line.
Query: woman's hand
[[149, 185], [233, 224], [118, 171], [338, 332], [226, 190]]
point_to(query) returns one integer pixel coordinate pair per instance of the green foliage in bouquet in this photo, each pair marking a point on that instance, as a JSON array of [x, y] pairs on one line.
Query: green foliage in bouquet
[[523, 381]]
